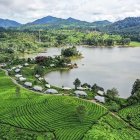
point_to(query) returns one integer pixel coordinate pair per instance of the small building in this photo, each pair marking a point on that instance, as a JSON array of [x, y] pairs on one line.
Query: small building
[[37, 76], [100, 92], [40, 78], [13, 68], [69, 65], [80, 93], [3, 65], [52, 65], [81, 88], [28, 84], [17, 70], [9, 70], [18, 75], [20, 66], [100, 99], [51, 91], [26, 64], [66, 88], [22, 79], [38, 88], [48, 86]]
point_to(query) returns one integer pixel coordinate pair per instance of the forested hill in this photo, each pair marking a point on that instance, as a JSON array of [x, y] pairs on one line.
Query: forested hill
[[126, 23], [129, 27], [58, 23], [6, 23]]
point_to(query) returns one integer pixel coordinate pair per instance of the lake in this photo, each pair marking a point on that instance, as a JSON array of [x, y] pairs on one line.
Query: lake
[[107, 67]]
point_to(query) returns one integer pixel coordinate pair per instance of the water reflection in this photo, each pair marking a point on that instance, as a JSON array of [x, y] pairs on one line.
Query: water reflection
[[117, 67]]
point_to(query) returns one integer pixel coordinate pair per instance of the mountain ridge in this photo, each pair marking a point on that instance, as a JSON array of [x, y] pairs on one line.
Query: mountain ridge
[[6, 23]]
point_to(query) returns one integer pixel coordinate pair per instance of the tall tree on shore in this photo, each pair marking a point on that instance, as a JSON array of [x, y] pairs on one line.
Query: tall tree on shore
[[77, 83]]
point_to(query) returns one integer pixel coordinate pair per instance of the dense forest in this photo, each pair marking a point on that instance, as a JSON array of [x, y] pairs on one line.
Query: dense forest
[[14, 42]]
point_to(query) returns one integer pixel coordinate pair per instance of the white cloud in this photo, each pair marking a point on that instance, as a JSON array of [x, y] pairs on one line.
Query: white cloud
[[89, 10]]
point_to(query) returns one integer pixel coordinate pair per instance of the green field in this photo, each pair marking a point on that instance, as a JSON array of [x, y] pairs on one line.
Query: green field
[[111, 128], [134, 114], [41, 117], [134, 44]]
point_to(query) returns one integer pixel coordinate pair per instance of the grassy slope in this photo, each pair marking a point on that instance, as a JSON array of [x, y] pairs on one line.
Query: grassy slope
[[110, 127], [56, 114], [135, 44], [45, 113], [134, 113]]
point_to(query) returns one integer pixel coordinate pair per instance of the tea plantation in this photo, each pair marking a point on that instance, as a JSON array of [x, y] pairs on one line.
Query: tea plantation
[[33, 116]]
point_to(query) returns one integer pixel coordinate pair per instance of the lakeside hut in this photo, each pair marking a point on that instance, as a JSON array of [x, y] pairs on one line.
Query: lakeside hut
[[51, 91], [13, 68], [3, 65], [17, 70], [66, 88], [38, 88], [20, 66], [52, 65], [100, 99], [80, 93], [22, 79], [28, 84], [26, 64], [40, 78], [100, 92], [81, 88], [18, 75], [37, 75], [48, 86]]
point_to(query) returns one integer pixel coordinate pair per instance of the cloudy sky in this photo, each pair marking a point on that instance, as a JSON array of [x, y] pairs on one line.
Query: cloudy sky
[[90, 10]]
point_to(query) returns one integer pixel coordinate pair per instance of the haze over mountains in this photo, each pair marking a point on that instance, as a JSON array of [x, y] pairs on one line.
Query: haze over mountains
[[130, 23], [5, 23]]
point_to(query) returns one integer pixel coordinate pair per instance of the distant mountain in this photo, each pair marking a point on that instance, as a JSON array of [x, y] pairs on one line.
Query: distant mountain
[[57, 23], [102, 23], [130, 22], [75, 20], [6, 23], [54, 20], [46, 20], [129, 27]]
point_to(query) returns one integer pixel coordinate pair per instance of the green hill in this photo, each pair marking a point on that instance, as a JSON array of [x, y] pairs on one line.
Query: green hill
[[26, 114]]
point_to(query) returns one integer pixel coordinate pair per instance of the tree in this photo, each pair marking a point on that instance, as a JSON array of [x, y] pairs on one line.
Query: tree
[[38, 70], [80, 112], [113, 106], [112, 93], [127, 41], [136, 87], [77, 83], [69, 52], [129, 117]]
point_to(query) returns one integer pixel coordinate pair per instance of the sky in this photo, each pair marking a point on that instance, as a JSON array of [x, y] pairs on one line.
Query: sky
[[25, 11]]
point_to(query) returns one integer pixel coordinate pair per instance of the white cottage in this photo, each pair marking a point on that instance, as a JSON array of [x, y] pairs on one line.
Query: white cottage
[[22, 79], [38, 88], [37, 76], [100, 99], [40, 78], [47, 85], [18, 75], [17, 70], [51, 91], [81, 88], [100, 92], [66, 88], [80, 93], [28, 84], [26, 64]]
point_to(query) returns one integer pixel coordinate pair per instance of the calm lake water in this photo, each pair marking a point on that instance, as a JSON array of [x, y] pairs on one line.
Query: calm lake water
[[116, 67]]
